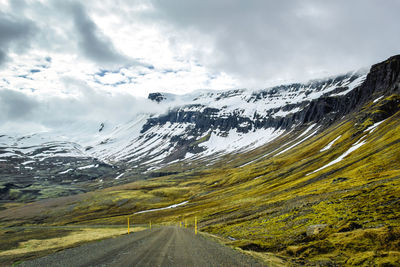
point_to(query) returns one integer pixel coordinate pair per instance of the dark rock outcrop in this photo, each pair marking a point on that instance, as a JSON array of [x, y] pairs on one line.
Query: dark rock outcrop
[[101, 127], [383, 79], [384, 76], [158, 97]]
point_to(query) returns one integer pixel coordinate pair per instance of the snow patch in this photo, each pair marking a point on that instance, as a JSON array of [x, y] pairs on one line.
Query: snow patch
[[88, 167], [307, 130], [356, 146], [236, 141], [330, 144], [299, 142], [282, 113], [357, 82], [169, 207], [119, 176], [28, 162], [67, 171], [379, 98], [372, 128]]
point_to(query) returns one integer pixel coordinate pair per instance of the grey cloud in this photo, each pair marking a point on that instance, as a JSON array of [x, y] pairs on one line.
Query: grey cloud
[[93, 43], [2, 56], [262, 39], [22, 113], [15, 34], [18, 5], [61, 27], [16, 105]]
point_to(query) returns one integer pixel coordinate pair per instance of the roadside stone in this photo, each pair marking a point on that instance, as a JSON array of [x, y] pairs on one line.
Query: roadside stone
[[315, 229]]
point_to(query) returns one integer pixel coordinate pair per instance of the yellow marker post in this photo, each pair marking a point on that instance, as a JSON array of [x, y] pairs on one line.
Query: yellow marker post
[[150, 224], [195, 225], [128, 225]]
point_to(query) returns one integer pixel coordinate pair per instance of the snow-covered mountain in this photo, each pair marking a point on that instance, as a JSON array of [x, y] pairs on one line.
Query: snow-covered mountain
[[199, 126], [224, 115]]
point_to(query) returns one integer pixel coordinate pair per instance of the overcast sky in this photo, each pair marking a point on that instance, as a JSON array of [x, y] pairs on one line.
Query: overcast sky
[[114, 48]]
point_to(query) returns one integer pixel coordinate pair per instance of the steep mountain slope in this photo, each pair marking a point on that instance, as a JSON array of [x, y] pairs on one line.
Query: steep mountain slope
[[193, 128], [207, 121], [323, 193]]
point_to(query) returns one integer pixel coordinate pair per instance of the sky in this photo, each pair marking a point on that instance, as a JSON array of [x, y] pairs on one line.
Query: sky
[[68, 60]]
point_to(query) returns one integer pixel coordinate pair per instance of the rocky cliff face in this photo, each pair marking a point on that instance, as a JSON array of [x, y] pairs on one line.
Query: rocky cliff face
[[383, 77], [382, 80]]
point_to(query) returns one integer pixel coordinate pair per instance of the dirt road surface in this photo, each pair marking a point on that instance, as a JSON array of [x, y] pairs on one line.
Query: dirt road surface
[[164, 246]]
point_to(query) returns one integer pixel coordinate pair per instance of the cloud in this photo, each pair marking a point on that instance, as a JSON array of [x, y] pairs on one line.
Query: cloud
[[266, 40], [3, 56], [15, 35], [93, 43], [189, 44], [97, 49], [23, 113], [16, 105], [63, 27]]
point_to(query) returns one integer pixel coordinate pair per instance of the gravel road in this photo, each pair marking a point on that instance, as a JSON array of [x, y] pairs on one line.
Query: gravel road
[[164, 246]]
